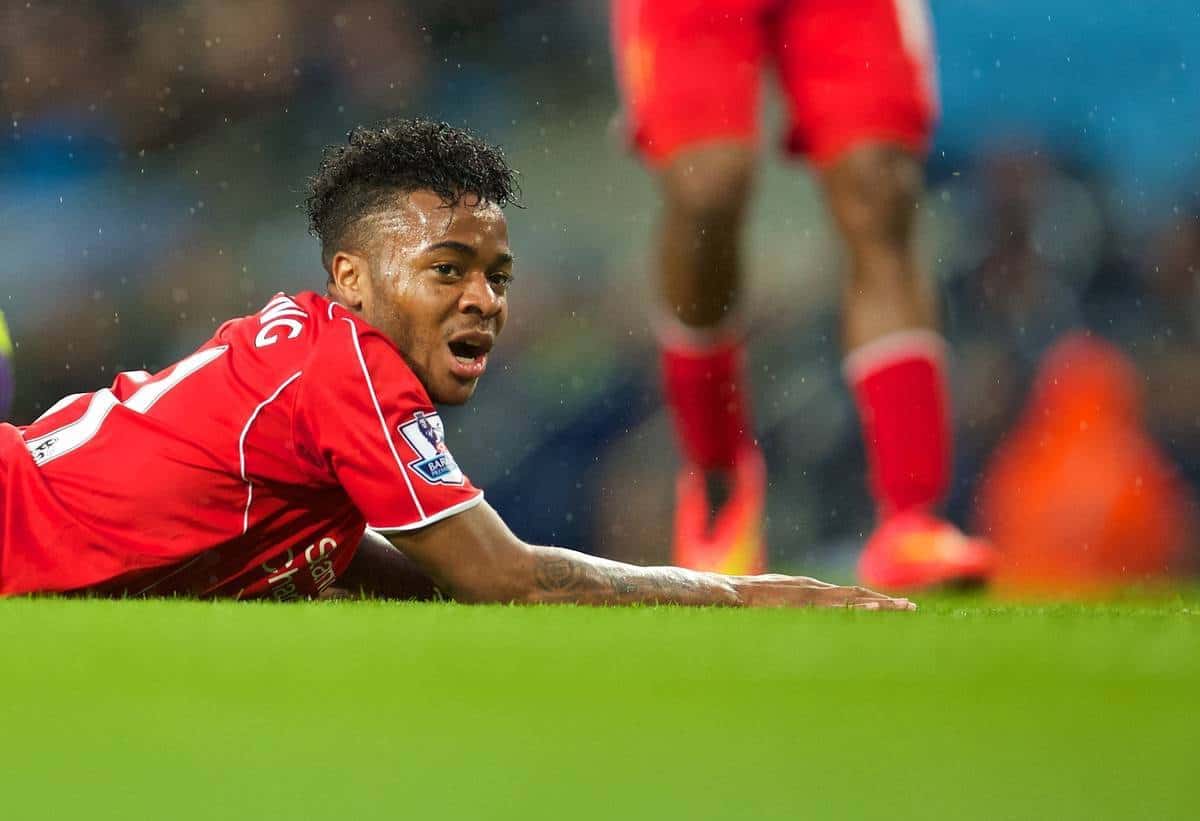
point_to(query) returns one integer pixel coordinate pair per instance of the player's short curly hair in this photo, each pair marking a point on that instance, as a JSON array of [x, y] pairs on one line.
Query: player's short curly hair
[[400, 156]]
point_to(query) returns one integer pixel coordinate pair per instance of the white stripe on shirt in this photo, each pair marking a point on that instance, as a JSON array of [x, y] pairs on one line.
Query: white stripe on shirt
[[382, 421]]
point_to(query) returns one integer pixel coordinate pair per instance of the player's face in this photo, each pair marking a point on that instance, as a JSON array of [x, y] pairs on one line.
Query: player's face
[[438, 287]]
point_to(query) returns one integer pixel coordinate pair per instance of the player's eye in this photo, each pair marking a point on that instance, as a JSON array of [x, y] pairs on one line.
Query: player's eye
[[500, 281], [446, 269]]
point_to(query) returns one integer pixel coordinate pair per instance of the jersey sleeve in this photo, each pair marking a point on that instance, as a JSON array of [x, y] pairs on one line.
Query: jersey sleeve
[[363, 416]]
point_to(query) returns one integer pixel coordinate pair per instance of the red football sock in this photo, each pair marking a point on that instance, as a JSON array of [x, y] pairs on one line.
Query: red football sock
[[900, 388], [705, 389]]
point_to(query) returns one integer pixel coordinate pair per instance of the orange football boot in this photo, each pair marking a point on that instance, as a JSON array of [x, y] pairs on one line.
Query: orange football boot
[[732, 542], [916, 550]]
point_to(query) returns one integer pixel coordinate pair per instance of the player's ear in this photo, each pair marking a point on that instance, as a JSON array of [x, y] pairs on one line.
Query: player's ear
[[348, 279]]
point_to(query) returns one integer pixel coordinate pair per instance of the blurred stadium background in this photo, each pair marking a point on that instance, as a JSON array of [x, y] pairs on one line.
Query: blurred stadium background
[[155, 153]]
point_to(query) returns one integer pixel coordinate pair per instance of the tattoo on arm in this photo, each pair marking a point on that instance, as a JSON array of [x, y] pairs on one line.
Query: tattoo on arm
[[622, 583], [557, 574], [569, 576]]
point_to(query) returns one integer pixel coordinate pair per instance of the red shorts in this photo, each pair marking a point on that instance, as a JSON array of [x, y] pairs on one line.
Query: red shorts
[[851, 70]]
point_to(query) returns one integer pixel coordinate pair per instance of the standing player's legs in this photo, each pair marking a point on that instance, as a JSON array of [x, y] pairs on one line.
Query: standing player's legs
[[895, 364], [720, 492], [690, 73], [859, 76]]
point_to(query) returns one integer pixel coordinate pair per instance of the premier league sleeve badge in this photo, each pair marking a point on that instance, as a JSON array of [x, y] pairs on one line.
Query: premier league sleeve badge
[[425, 435]]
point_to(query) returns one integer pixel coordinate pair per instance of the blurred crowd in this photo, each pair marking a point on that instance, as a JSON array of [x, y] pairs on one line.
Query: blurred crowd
[[155, 154]]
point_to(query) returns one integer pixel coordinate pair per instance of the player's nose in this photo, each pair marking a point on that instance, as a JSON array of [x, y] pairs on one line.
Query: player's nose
[[478, 296]]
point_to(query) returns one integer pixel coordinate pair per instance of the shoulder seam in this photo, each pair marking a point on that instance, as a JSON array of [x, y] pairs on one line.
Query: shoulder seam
[[313, 352], [383, 425]]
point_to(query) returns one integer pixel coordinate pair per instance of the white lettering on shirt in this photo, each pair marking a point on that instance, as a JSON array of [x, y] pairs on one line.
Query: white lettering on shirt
[[281, 312]]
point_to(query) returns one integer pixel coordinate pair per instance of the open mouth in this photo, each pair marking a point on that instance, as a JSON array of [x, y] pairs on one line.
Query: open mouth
[[466, 351], [469, 353]]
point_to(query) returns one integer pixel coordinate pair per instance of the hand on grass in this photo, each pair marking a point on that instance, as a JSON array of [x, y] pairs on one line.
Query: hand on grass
[[775, 590]]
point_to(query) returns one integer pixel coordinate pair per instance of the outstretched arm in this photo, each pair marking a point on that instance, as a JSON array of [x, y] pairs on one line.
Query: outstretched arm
[[474, 557]]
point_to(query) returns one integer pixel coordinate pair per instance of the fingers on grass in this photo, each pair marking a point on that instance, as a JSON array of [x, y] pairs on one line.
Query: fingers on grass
[[882, 604]]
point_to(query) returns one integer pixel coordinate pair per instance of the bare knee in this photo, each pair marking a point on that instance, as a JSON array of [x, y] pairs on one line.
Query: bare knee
[[873, 192], [710, 184]]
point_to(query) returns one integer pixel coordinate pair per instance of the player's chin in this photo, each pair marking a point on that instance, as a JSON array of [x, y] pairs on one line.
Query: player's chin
[[453, 390]]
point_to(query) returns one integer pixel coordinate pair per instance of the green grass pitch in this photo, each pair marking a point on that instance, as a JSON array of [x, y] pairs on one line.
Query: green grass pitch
[[353, 710]]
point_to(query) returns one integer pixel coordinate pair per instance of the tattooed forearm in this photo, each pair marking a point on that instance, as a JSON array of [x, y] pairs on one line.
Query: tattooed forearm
[[557, 574], [622, 583], [564, 575], [651, 583]]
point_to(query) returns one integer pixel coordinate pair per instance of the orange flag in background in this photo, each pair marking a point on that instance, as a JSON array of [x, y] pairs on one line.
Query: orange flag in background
[[1078, 498]]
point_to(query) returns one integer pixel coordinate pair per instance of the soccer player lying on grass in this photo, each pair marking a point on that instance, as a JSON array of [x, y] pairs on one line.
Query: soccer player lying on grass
[[253, 467]]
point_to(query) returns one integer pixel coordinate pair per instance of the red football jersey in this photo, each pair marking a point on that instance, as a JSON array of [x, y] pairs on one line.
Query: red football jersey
[[247, 469]]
